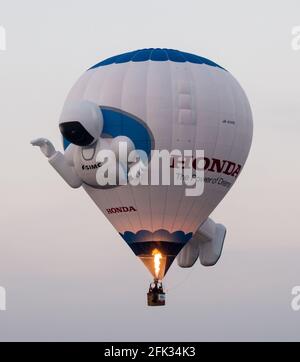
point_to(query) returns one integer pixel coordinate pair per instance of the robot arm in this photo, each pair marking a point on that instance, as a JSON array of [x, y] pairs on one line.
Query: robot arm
[[122, 145], [59, 162], [67, 172], [207, 244]]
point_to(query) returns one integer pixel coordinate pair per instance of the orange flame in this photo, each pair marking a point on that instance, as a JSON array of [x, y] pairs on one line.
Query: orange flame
[[157, 256]]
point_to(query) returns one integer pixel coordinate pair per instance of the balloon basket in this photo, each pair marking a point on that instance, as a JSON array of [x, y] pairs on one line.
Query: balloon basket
[[156, 295]]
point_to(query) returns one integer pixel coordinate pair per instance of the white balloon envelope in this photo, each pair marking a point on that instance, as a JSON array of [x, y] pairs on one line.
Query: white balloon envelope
[[165, 99]]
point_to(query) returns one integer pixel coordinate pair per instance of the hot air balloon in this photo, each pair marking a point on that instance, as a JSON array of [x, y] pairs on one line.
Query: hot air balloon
[[157, 99]]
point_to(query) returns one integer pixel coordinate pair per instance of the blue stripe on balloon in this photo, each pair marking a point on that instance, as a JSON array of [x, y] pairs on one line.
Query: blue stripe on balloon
[[144, 242], [162, 235], [166, 248], [118, 123], [156, 54]]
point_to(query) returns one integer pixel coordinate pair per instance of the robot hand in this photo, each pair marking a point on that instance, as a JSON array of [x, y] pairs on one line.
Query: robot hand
[[136, 171], [45, 145]]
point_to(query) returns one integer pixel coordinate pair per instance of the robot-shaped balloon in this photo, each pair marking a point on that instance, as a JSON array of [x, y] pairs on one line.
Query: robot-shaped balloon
[[151, 100], [81, 124]]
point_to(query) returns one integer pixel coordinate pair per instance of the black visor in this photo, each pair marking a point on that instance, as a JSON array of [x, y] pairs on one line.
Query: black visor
[[75, 133]]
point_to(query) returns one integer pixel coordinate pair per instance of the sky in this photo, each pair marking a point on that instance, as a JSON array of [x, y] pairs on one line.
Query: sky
[[68, 275]]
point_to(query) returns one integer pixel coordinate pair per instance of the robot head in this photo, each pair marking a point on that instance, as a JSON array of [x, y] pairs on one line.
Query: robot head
[[81, 123]]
